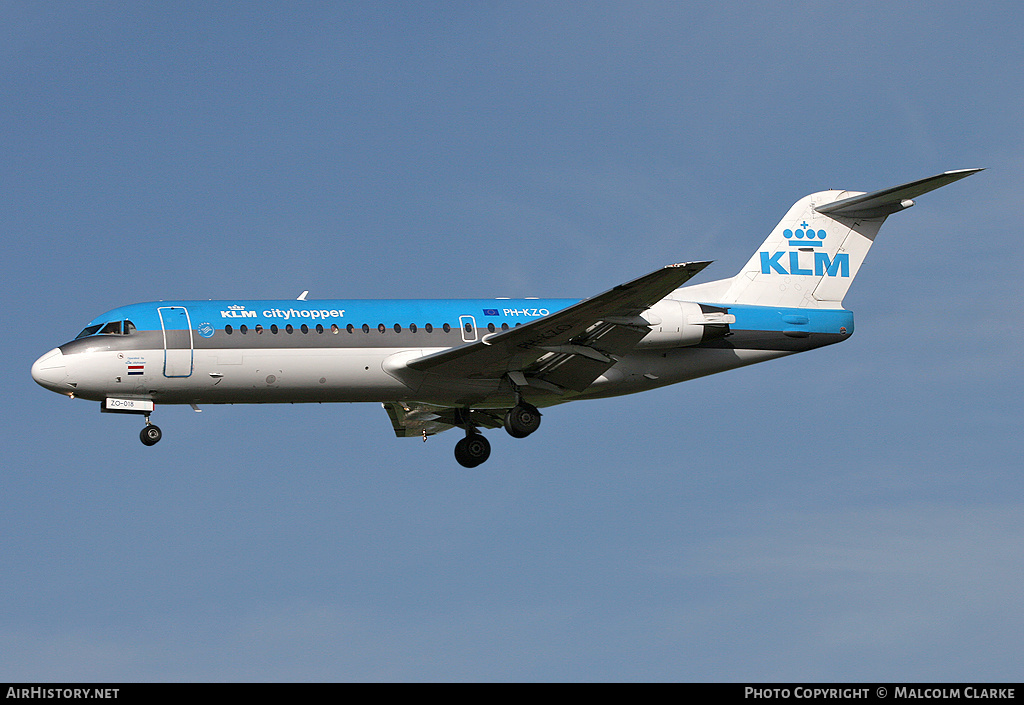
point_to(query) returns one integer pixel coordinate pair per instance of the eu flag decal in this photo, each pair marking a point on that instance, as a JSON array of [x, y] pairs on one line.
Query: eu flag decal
[[490, 312]]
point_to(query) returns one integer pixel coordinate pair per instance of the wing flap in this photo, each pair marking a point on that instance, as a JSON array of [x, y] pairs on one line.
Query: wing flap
[[419, 420]]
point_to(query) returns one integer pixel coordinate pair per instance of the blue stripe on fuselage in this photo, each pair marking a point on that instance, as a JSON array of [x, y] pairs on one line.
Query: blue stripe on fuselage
[[342, 312], [437, 312], [771, 318]]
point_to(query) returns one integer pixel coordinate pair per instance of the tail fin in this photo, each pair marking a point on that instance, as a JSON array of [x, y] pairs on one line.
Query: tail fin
[[813, 254]]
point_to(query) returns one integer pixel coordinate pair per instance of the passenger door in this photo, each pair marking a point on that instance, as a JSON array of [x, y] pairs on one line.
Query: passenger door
[[177, 328]]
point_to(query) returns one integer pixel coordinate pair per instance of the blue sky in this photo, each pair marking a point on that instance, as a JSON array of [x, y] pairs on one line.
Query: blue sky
[[854, 513]]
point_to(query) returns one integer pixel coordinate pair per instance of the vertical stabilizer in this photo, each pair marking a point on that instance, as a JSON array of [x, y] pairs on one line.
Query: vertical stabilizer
[[811, 257]]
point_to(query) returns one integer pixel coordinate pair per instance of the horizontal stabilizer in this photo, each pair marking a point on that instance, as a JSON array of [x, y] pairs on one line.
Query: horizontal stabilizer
[[891, 200]]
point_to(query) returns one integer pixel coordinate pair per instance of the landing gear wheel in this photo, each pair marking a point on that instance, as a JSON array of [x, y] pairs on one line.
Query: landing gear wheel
[[472, 450], [150, 435], [522, 420]]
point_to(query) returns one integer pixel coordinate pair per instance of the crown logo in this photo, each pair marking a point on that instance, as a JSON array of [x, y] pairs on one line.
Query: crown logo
[[236, 307], [804, 236]]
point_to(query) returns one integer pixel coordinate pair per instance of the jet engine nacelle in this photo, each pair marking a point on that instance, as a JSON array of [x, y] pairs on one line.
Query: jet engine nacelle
[[679, 323]]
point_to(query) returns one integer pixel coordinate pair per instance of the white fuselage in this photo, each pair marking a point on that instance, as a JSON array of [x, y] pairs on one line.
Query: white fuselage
[[253, 360]]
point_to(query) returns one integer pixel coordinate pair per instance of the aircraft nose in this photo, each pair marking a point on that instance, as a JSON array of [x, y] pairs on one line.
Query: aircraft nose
[[50, 372]]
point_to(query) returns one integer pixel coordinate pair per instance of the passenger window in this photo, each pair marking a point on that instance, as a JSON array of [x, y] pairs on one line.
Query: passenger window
[[259, 330], [429, 328], [412, 327], [350, 328], [244, 329], [289, 329], [366, 327], [305, 328], [447, 328], [490, 327], [335, 329], [398, 328], [381, 328], [228, 330], [319, 328], [273, 329]]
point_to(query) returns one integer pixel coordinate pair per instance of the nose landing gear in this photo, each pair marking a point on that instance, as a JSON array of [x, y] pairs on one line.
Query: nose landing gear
[[150, 434]]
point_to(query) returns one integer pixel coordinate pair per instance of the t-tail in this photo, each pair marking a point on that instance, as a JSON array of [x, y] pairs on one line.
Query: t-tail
[[811, 257]]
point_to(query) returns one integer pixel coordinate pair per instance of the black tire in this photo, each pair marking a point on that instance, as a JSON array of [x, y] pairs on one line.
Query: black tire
[[472, 450], [150, 435], [522, 420]]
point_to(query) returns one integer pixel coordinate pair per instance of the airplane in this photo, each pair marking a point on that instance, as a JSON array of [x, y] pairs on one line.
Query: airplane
[[435, 365]]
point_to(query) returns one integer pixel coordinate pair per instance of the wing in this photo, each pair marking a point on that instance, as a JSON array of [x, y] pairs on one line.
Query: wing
[[568, 349], [416, 419]]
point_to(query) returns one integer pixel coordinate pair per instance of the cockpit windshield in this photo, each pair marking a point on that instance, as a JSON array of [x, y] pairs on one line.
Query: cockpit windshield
[[111, 328]]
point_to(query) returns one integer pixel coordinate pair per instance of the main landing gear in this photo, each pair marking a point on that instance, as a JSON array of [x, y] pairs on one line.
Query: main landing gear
[[472, 450], [520, 421], [151, 433]]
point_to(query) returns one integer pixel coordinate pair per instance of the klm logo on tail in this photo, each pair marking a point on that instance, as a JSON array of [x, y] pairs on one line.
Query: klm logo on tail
[[803, 242]]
